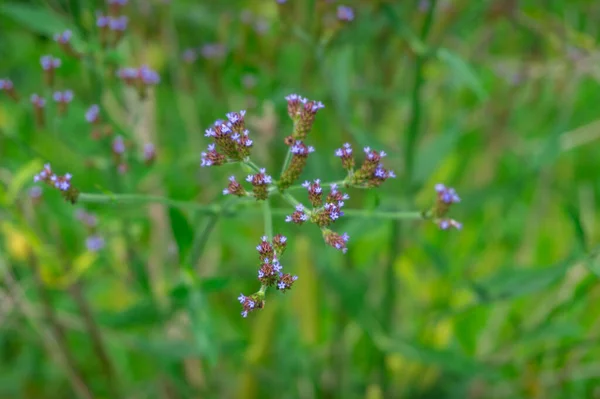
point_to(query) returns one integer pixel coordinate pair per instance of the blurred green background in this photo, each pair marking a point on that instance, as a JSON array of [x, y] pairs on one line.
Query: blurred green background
[[498, 99]]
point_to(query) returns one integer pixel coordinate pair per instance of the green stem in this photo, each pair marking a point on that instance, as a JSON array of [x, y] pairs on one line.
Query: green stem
[[286, 161], [146, 199], [268, 219], [299, 186], [290, 199], [252, 166], [202, 235], [212, 209]]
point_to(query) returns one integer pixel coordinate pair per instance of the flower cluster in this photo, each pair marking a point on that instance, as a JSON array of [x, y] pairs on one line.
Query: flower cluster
[[112, 27], [141, 78], [64, 42], [99, 129], [39, 103], [149, 154], [231, 141], [446, 196], [62, 99], [299, 155], [324, 212], [8, 86], [118, 148], [62, 183], [371, 173], [302, 112], [345, 13], [49, 65], [270, 273], [94, 242]]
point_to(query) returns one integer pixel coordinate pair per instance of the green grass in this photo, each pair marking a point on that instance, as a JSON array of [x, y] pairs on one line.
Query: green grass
[[496, 100]]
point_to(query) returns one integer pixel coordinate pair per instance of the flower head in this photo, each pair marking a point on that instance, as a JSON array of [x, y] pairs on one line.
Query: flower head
[[49, 63], [234, 188], [302, 111], [92, 115], [211, 157], [345, 13], [345, 153], [63, 96], [251, 303], [372, 172], [315, 192], [62, 183], [94, 243], [63, 37], [149, 155], [260, 182], [300, 152], [335, 240], [299, 216]]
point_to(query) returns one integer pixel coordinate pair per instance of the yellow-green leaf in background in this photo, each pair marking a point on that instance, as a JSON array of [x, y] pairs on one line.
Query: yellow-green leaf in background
[[23, 176]]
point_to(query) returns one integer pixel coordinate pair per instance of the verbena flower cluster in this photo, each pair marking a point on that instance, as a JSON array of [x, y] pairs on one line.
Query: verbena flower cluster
[[270, 273], [94, 241], [230, 143]]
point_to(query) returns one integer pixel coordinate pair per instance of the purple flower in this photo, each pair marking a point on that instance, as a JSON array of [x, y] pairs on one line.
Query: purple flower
[[447, 194], [118, 23], [37, 101], [212, 51], [92, 113], [94, 243], [299, 216], [345, 13], [48, 62], [63, 37], [189, 55], [35, 192], [102, 21], [118, 145], [6, 84], [148, 76], [63, 97]]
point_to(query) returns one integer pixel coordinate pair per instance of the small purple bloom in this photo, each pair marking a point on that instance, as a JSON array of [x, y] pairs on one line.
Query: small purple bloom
[[94, 243], [92, 113], [345, 13]]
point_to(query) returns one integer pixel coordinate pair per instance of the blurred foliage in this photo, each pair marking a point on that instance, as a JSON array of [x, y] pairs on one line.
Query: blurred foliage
[[494, 97]]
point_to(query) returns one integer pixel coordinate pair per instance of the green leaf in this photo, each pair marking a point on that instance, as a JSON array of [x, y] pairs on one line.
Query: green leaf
[[452, 361], [463, 72], [468, 327], [203, 327], [37, 19], [431, 154], [23, 176], [510, 283], [182, 231]]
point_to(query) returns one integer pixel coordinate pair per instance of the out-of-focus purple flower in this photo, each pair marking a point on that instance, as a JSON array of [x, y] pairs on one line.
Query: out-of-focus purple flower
[[102, 21], [345, 13], [118, 145], [7, 86], [213, 51], [64, 37], [149, 153], [118, 23], [94, 243], [63, 96], [49, 63], [189, 55], [35, 192], [92, 115], [37, 101]]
